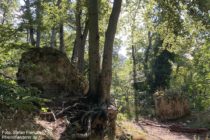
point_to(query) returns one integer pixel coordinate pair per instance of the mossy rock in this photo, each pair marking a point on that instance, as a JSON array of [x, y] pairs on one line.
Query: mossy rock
[[51, 72]]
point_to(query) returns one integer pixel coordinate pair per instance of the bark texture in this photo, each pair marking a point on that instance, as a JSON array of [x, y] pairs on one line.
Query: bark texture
[[80, 40], [81, 51], [106, 73], [77, 42], [94, 59]]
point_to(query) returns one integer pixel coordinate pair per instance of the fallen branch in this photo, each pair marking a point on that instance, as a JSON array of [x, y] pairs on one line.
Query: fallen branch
[[153, 124], [179, 128], [66, 109]]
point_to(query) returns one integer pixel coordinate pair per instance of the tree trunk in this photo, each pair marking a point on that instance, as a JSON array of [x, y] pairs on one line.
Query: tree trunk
[[106, 73], [39, 21], [81, 51], [147, 56], [77, 42], [80, 40], [135, 82], [134, 70], [94, 59], [38, 38], [53, 37], [133, 53], [3, 18], [30, 23], [27, 36], [61, 33], [31, 32]]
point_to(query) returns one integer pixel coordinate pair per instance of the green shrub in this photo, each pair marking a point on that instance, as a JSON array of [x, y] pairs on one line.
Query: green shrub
[[16, 97]]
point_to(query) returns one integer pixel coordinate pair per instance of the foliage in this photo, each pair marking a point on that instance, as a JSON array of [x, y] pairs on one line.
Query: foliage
[[162, 70], [16, 97], [200, 81], [179, 26]]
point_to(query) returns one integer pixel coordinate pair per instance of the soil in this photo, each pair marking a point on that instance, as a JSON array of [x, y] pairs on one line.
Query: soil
[[145, 129], [160, 131]]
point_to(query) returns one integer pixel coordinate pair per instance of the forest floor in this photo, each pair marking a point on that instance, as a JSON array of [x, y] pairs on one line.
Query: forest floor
[[145, 129], [160, 131], [195, 126]]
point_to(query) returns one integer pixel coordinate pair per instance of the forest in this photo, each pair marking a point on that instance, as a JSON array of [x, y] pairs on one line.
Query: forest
[[105, 69]]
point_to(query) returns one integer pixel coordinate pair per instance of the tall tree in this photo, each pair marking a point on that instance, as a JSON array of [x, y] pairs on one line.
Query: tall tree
[[39, 22], [80, 40], [134, 57], [81, 50], [94, 59], [77, 42], [53, 37], [61, 30], [106, 73], [30, 21], [7, 7], [146, 55]]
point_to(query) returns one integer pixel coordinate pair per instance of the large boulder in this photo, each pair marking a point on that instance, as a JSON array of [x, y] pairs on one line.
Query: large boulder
[[170, 105], [50, 71]]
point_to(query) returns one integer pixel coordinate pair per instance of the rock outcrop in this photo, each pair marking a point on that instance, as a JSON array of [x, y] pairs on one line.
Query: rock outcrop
[[170, 105], [50, 71]]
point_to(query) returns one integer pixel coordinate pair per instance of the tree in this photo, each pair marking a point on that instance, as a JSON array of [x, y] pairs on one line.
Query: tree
[[100, 90], [38, 21], [61, 31], [81, 50], [30, 21], [106, 73], [162, 70], [7, 7], [94, 59], [80, 40]]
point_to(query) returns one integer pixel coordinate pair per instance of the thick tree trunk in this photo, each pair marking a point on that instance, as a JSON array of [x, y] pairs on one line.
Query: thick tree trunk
[[94, 59], [106, 73], [53, 37]]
